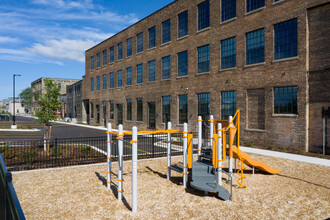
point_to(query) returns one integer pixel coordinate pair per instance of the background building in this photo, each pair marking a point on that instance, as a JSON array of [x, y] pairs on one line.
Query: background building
[[268, 58], [74, 102]]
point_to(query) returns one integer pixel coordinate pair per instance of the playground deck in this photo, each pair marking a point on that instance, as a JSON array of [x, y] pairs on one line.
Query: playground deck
[[301, 191]]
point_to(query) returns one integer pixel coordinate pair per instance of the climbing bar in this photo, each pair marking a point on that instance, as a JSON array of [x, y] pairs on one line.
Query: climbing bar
[[133, 141]]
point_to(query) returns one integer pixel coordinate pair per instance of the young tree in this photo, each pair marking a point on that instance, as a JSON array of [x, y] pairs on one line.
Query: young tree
[[48, 103], [25, 95]]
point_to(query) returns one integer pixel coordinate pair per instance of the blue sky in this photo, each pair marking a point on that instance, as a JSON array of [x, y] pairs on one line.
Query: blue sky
[[48, 38]]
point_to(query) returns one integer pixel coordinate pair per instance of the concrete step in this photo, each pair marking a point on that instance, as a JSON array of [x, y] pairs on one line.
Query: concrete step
[[211, 187]]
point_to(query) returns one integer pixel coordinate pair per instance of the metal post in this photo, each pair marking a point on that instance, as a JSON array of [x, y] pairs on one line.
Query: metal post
[[323, 132], [109, 139], [14, 102], [185, 157], [134, 169], [120, 162], [230, 153], [55, 151], [211, 130], [169, 126], [153, 145], [219, 154], [199, 136]]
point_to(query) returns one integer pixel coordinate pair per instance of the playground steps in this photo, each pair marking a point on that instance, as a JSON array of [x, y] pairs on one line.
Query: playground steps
[[176, 168]]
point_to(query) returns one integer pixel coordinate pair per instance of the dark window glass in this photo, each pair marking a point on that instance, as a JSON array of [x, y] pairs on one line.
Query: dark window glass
[[183, 24], [166, 27], [228, 9], [92, 84], [228, 53], [183, 63], [228, 104], [129, 109], [98, 57], [112, 80], [286, 38], [204, 105], [152, 37], [104, 57], [254, 4], [112, 54], [285, 100], [92, 110], [166, 67], [129, 76], [152, 70], [183, 109], [204, 15], [139, 43], [166, 108], [129, 47], [139, 110], [204, 59], [255, 46], [97, 83], [139, 73], [92, 62], [104, 81], [120, 51], [112, 109], [120, 78]]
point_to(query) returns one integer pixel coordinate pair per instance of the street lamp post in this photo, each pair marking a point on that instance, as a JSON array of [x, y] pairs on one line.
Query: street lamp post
[[14, 101]]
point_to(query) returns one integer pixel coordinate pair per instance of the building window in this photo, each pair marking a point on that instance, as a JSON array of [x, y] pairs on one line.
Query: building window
[[129, 109], [183, 109], [152, 70], [139, 73], [112, 109], [228, 9], [139, 43], [166, 67], [139, 110], [183, 24], [204, 15], [203, 59], [104, 57], [152, 37], [92, 84], [286, 39], [204, 105], [228, 104], [104, 77], [129, 76], [183, 63], [104, 105], [228, 53], [120, 78], [112, 80], [92, 62], [92, 110], [166, 31], [129, 47], [166, 109], [59, 85], [97, 83], [112, 54], [120, 51], [254, 4], [255, 46], [98, 57], [285, 100]]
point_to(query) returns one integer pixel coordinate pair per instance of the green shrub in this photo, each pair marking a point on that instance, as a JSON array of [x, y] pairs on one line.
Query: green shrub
[[4, 149], [302, 151], [28, 127], [85, 150], [56, 151], [320, 155], [28, 157], [284, 148], [250, 144], [10, 155], [271, 147]]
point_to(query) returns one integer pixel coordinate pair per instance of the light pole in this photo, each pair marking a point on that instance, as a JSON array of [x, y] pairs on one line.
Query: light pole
[[14, 101]]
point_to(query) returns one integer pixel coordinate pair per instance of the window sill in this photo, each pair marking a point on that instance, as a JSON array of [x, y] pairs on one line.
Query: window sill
[[285, 59], [254, 130], [182, 77], [104, 65], [254, 11], [152, 81], [152, 48], [228, 69], [139, 53], [129, 121], [129, 57], [139, 84], [204, 73], [163, 80], [120, 60], [254, 65], [202, 30], [140, 122], [285, 115], [183, 37], [278, 2], [164, 44], [111, 63], [128, 86], [97, 68], [228, 21]]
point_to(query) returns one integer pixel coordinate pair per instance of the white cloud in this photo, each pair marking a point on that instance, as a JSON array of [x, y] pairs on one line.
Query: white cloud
[[4, 39], [67, 5], [63, 49]]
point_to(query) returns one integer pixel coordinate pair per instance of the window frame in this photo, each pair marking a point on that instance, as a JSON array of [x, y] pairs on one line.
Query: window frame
[[221, 12], [112, 54], [169, 109], [169, 69], [139, 39], [246, 49], [187, 25], [179, 107], [222, 55], [120, 78], [187, 65], [139, 76], [153, 45], [104, 57], [92, 63], [129, 78], [255, 9], [294, 105], [129, 105], [198, 57], [98, 60], [129, 47], [111, 110], [92, 84], [120, 51], [139, 118], [166, 34], [98, 82], [198, 16], [112, 80], [104, 81], [154, 69], [222, 109]]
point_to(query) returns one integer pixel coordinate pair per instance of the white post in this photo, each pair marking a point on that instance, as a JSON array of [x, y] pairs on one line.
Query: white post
[[230, 159], [134, 169], [211, 130], [120, 162], [109, 139], [169, 126], [199, 135], [185, 157], [219, 154]]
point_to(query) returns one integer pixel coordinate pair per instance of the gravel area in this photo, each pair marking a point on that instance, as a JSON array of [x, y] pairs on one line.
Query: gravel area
[[300, 191]]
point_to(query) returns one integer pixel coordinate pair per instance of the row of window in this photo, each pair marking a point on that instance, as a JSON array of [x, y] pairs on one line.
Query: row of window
[[285, 102], [228, 11]]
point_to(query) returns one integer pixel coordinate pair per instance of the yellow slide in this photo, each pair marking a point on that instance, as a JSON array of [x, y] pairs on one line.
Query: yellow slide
[[253, 163]]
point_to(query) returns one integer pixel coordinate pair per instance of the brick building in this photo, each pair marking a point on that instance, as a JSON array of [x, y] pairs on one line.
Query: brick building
[[202, 57], [74, 102]]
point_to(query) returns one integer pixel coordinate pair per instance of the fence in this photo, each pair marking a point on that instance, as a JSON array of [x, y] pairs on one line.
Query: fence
[[10, 207], [25, 155]]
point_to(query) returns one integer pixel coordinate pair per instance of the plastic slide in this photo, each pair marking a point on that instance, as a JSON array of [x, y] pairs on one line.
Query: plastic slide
[[253, 163]]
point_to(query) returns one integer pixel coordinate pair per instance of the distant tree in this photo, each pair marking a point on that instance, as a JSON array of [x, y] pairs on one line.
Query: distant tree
[[25, 95], [48, 104]]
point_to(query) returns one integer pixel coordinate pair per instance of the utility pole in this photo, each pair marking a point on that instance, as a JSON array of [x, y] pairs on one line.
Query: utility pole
[[14, 126]]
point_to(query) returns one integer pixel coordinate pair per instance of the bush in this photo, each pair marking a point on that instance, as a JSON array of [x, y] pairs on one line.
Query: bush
[[284, 148], [250, 144], [271, 147], [4, 149], [85, 150], [10, 155], [28, 157], [56, 151], [28, 127]]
